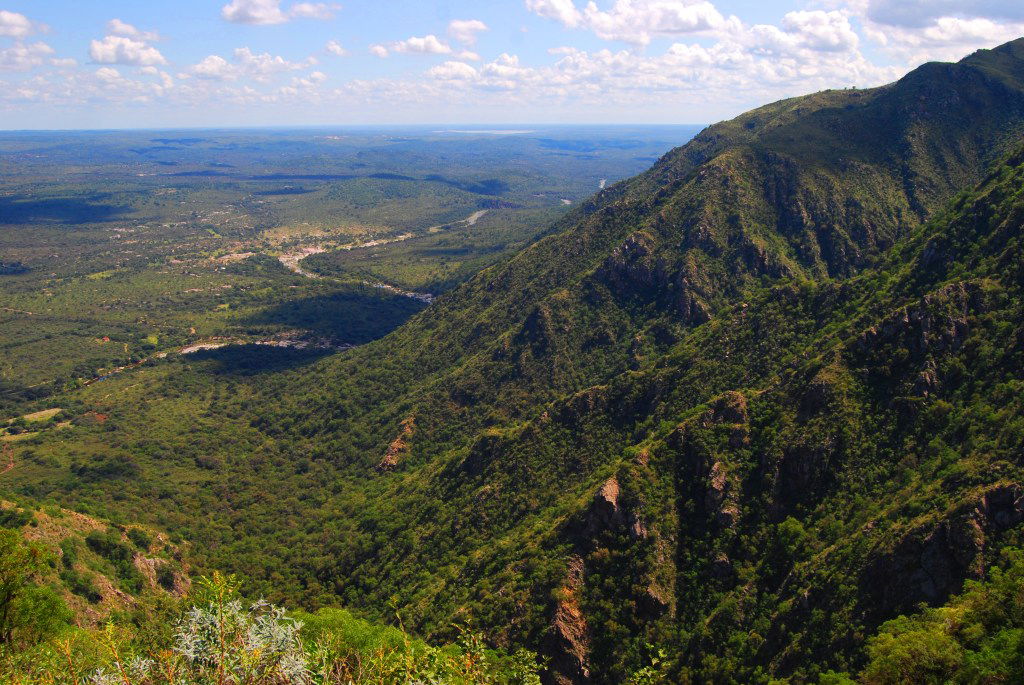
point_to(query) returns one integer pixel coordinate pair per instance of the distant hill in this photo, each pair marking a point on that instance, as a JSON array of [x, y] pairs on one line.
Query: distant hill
[[737, 411]]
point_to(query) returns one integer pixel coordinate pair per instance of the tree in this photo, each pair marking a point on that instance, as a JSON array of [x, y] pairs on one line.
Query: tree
[[20, 562]]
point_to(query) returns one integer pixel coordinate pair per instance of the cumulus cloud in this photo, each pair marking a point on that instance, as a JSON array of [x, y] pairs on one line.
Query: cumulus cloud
[[637, 21], [674, 53], [465, 30], [563, 11], [116, 27], [453, 71], [802, 34], [124, 50], [914, 31], [269, 11], [426, 45], [214, 67], [923, 13], [16, 25], [312, 10], [245, 63], [22, 57], [108, 74]]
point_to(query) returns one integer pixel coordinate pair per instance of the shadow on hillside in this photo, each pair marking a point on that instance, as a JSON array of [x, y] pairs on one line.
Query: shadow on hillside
[[354, 315], [249, 360], [21, 209]]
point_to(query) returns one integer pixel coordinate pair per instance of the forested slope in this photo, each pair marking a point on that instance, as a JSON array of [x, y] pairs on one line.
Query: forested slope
[[742, 408]]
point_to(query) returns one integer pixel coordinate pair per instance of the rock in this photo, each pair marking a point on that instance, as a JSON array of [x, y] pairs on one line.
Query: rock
[[721, 567], [931, 562], [653, 604], [719, 497], [638, 530], [938, 322], [568, 641], [718, 483], [732, 407], [399, 447], [604, 509]]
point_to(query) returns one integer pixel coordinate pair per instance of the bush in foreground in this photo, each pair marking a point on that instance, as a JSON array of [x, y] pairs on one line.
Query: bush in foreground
[[217, 637]]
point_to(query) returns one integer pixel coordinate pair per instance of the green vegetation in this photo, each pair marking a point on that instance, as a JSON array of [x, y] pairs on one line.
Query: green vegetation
[[721, 423], [216, 636], [975, 638], [117, 248]]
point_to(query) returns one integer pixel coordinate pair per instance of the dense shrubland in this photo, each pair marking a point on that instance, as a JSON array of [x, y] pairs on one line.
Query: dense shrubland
[[214, 635], [721, 425]]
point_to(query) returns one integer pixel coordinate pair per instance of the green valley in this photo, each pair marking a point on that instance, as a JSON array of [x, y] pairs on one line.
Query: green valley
[[751, 416]]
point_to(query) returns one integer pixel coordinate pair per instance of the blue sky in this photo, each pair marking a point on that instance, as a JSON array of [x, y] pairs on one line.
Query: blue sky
[[117, 64]]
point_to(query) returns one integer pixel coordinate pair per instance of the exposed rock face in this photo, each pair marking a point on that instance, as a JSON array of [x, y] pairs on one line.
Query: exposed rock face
[[606, 513], [399, 447], [931, 562], [569, 641], [731, 407], [937, 323], [632, 264], [712, 486], [719, 497]]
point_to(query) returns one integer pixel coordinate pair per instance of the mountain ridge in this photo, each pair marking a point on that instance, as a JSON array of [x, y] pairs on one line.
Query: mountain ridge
[[676, 422]]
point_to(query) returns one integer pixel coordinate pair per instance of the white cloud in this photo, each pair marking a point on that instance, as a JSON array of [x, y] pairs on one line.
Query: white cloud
[[638, 21], [264, 12], [819, 30], [682, 59], [165, 79], [416, 45], [465, 30], [426, 45], [261, 66], [924, 13], [108, 74], [116, 27], [22, 57], [215, 67], [453, 71], [15, 25], [312, 10], [245, 63], [802, 34], [563, 11], [915, 31], [123, 50]]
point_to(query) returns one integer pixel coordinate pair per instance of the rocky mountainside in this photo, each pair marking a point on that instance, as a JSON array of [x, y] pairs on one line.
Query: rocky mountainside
[[739, 410]]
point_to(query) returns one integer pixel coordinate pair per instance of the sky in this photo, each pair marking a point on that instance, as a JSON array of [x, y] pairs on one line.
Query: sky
[[95, 64]]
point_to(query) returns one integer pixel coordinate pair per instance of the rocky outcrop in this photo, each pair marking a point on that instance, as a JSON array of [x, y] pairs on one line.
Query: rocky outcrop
[[930, 563], [938, 322], [606, 513], [720, 498], [399, 447], [568, 641], [712, 486]]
